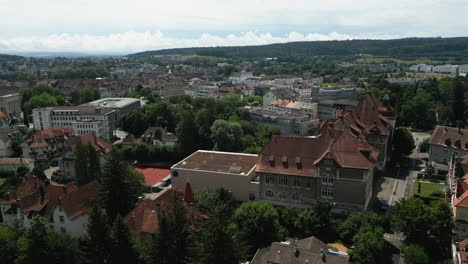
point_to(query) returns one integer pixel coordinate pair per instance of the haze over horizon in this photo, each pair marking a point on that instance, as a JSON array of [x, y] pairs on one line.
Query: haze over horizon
[[122, 27]]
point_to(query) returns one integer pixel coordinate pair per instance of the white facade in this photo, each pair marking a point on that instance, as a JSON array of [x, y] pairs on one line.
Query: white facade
[[60, 222], [103, 120]]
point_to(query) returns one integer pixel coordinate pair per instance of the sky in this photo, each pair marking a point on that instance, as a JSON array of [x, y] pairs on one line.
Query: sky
[[117, 26]]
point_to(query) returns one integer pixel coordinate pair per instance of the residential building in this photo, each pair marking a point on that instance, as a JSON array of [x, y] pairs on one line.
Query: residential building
[[308, 250], [12, 102], [213, 169], [67, 160], [122, 106], [7, 118], [143, 220], [457, 187], [203, 91], [304, 91], [47, 144], [336, 166], [462, 254], [333, 93], [158, 136], [287, 123], [11, 164], [275, 94], [447, 142], [288, 106], [83, 119], [7, 135], [65, 207], [155, 178]]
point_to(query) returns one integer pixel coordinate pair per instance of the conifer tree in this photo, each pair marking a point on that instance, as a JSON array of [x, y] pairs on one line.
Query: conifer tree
[[123, 249], [120, 186], [93, 166], [171, 241], [81, 163], [97, 245]]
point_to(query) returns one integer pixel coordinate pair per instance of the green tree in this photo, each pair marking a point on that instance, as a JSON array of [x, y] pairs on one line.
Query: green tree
[[413, 219], [81, 163], [120, 186], [403, 143], [134, 123], [414, 254], [226, 136], [204, 119], [94, 163], [171, 240], [187, 133], [214, 244], [207, 198], [368, 246], [97, 243], [88, 95], [257, 224], [424, 146], [123, 249], [8, 240], [316, 219], [458, 105], [354, 222], [418, 111]]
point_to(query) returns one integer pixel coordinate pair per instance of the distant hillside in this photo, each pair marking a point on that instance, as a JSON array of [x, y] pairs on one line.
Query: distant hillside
[[454, 48], [5, 57]]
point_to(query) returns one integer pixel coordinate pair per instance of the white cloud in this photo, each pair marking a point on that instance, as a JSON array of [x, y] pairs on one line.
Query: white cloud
[[133, 41]]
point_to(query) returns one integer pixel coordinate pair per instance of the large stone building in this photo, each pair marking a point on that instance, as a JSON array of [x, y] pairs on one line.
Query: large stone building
[[457, 183], [83, 119], [335, 166], [284, 93], [372, 120], [287, 123], [122, 106], [447, 142]]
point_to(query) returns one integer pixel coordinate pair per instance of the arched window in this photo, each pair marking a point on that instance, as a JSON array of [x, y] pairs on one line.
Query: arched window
[[269, 193]]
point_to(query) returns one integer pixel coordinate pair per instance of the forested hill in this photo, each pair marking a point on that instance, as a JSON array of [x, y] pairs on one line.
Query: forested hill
[[5, 57], [455, 48]]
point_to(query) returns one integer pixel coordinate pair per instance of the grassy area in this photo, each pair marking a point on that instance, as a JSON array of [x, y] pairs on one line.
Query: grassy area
[[432, 191], [2, 180]]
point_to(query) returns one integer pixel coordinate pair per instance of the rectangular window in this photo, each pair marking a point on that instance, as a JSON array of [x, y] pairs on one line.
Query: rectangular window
[[62, 219], [327, 192], [327, 179], [308, 183], [283, 180], [270, 179], [296, 181]]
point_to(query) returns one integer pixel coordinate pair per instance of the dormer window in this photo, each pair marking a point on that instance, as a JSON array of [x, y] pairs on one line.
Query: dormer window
[[271, 159], [458, 144], [448, 142], [284, 160], [298, 163]]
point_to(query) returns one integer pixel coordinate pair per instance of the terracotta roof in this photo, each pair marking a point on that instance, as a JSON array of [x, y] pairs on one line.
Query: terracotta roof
[[144, 218], [367, 112], [301, 155], [159, 133], [81, 200], [153, 175], [450, 136], [285, 93], [49, 136], [463, 245], [100, 145]]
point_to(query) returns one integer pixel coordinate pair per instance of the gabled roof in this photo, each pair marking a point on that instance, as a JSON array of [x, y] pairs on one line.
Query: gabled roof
[[50, 136], [450, 136], [100, 145], [301, 155], [81, 200], [144, 218]]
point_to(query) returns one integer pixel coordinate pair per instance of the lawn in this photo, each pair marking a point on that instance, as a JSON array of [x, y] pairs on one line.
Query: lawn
[[428, 189], [2, 180]]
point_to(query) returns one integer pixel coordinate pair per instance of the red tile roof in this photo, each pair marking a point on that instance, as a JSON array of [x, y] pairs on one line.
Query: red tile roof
[[80, 200], [463, 254], [99, 144], [301, 155], [450, 136], [50, 136], [153, 175], [144, 218]]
